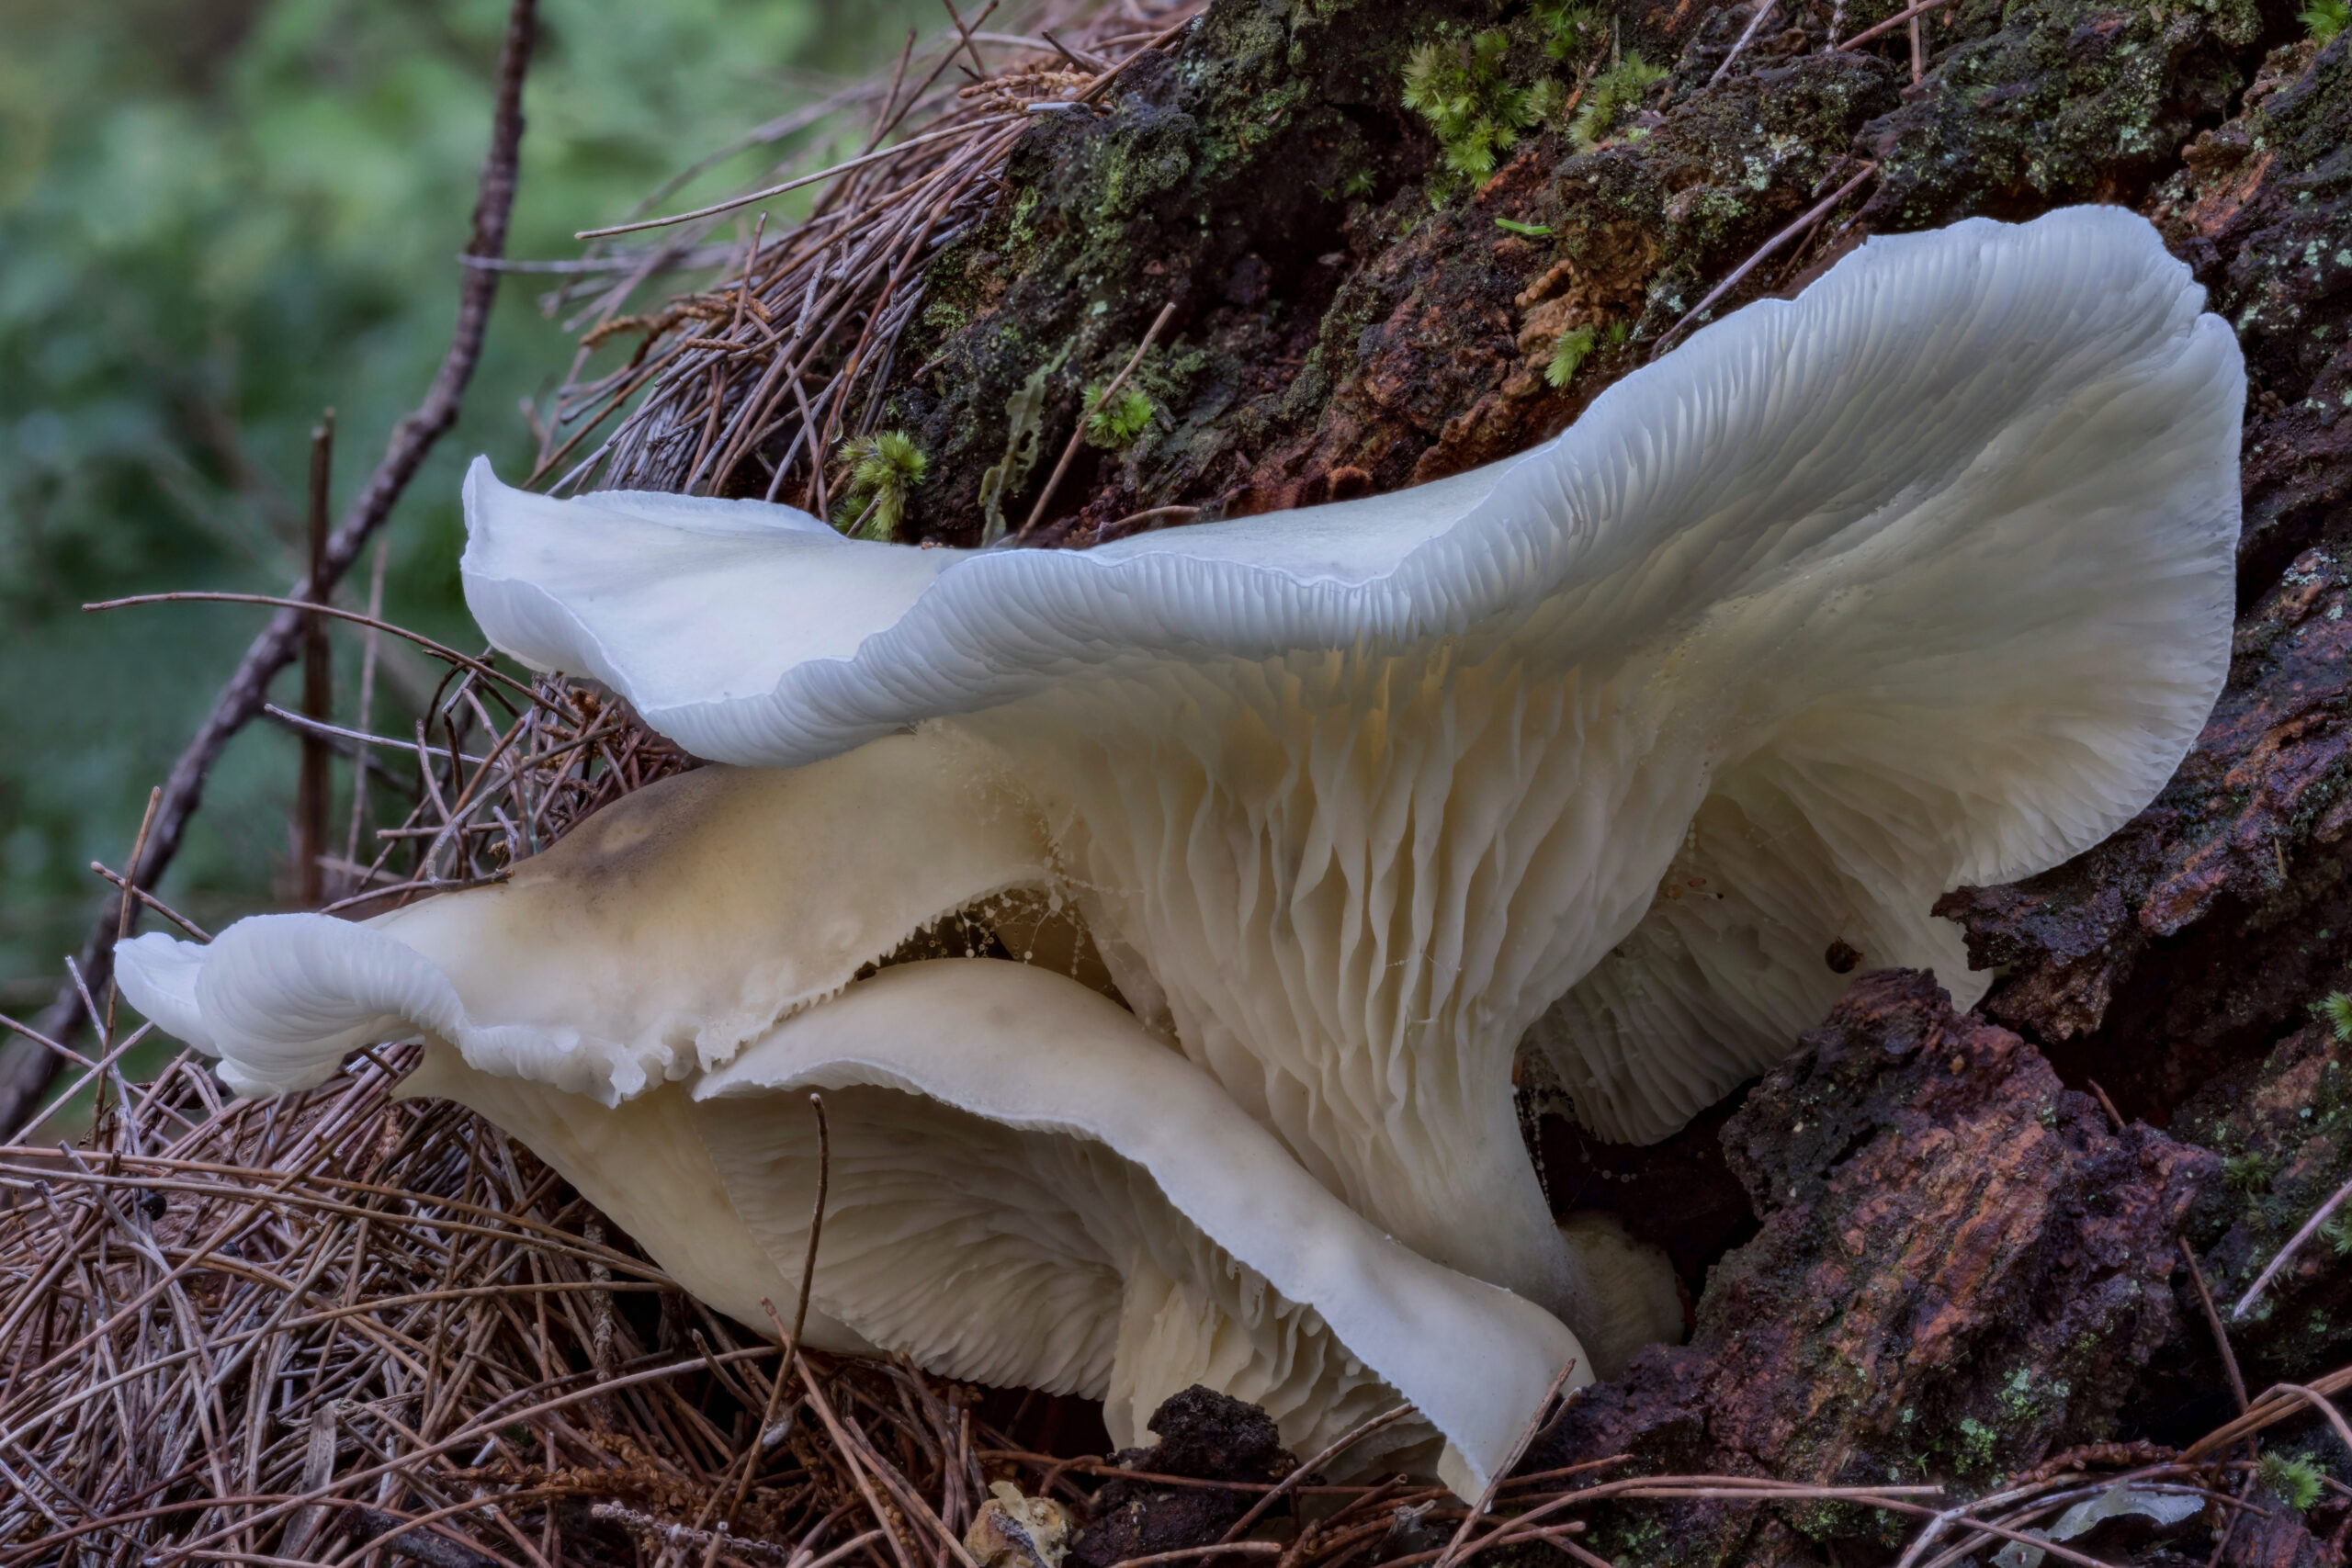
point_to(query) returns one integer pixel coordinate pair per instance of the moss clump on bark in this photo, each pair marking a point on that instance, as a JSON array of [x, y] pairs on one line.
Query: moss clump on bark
[[1337, 336]]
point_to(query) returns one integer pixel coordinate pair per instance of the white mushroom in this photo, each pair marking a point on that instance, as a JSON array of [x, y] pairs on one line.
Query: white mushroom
[[1031, 1190], [1027, 1186], [647, 945], [1922, 578]]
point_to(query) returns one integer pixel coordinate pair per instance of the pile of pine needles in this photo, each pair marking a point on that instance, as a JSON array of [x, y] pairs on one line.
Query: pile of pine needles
[[342, 1327]]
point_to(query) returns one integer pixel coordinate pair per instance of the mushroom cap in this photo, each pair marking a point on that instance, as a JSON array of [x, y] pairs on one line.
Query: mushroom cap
[[644, 1167], [1010, 1152], [647, 943], [1026, 1187], [1923, 577]]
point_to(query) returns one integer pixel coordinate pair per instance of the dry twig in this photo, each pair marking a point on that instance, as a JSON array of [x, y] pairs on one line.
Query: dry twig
[[24, 1075]]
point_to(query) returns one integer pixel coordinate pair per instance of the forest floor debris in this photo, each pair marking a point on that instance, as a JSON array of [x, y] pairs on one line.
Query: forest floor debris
[[1968, 1307]]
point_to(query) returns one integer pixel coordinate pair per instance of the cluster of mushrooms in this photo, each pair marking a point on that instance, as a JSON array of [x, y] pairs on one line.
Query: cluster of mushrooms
[[1258, 851]]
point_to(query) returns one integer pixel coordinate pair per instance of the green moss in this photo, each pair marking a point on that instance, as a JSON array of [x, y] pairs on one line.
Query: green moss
[[2248, 1173], [2324, 19], [1609, 95], [2292, 1478], [1113, 425], [2335, 1009], [884, 471], [1458, 86], [1568, 355], [1569, 27], [2025, 1398], [1640, 1539], [943, 316], [1022, 225], [1976, 1444]]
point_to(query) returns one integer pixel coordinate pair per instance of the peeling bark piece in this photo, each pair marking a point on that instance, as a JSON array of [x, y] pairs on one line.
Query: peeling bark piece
[[1203, 1435], [1960, 1269]]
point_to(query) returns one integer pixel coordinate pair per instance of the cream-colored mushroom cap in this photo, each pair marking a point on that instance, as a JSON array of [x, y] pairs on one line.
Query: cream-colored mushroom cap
[[1921, 577], [1030, 1190], [1028, 1186], [646, 945]]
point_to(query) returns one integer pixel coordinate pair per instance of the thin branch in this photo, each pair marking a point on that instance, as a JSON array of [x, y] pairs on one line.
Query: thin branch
[[1813, 215], [1896, 20], [731, 203], [2214, 1322], [2262, 1280], [152, 902], [24, 1076], [438, 650], [1763, 9], [1102, 400]]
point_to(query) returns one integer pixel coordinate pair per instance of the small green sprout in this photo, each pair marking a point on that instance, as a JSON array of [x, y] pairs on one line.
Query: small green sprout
[[2249, 1172], [1568, 355], [1568, 26], [1476, 114], [1618, 333], [1609, 96], [1359, 184], [2293, 1479], [2326, 19], [1116, 424], [2338, 1232], [1533, 231], [884, 469], [2335, 1010]]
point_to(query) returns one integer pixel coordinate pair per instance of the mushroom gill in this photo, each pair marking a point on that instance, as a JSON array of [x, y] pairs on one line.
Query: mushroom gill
[[1923, 577], [1028, 1185]]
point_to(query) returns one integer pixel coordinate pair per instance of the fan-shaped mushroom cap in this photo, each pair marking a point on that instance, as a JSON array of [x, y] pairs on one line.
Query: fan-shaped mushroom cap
[[1923, 577], [1030, 1190], [1026, 1187], [647, 944]]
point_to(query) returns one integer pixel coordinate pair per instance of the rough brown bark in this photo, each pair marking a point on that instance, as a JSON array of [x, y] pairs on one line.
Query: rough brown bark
[[1960, 1269], [1915, 1251], [2204, 928]]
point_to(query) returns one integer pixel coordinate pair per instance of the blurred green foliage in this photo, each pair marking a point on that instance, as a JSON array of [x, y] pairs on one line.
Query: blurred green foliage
[[218, 217]]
